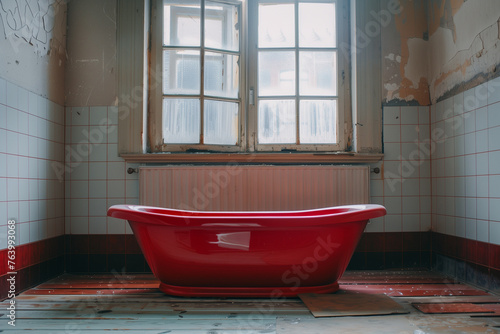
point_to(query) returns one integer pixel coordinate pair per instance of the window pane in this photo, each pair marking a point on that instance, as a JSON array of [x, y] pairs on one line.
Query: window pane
[[318, 122], [181, 72], [221, 26], [181, 23], [318, 73], [277, 122], [276, 73], [220, 123], [317, 25], [181, 121], [221, 75], [276, 25]]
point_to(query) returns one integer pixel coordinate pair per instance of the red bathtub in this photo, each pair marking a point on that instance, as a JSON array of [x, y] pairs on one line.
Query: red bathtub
[[252, 254]]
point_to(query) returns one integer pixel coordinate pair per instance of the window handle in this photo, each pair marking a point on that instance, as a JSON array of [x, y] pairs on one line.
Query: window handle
[[251, 97]]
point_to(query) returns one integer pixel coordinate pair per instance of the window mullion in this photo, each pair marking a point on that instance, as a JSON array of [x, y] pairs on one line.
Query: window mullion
[[251, 78], [297, 75], [202, 71]]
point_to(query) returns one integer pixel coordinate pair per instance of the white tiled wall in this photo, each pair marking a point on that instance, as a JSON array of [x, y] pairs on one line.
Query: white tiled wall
[[404, 185], [466, 164], [96, 177], [31, 158], [465, 180]]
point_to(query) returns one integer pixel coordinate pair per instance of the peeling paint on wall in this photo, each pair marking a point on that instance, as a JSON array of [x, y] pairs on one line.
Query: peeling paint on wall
[[443, 45], [441, 13], [467, 52], [412, 25], [406, 75]]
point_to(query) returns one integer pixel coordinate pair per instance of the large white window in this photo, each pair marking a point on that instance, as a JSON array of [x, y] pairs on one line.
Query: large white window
[[254, 75]]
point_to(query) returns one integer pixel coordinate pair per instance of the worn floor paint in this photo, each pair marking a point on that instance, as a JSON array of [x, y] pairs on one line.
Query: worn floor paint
[[453, 308], [96, 304]]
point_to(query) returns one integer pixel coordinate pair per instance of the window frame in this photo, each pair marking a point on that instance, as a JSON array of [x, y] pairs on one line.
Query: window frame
[[344, 118], [248, 111], [155, 105]]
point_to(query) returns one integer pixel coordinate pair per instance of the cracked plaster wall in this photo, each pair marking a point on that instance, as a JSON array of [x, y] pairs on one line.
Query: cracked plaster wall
[[33, 45]]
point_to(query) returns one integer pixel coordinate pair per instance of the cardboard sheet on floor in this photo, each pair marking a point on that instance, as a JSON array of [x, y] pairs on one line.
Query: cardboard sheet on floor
[[346, 303], [452, 308]]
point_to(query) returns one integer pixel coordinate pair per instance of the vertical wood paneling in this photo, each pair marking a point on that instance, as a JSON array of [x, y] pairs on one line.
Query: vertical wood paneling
[[131, 73], [366, 78], [219, 188]]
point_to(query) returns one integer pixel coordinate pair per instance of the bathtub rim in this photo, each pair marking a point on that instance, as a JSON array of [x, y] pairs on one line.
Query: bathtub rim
[[314, 217]]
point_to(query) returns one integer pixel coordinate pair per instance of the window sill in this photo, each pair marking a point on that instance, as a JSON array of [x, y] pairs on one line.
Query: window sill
[[295, 157]]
